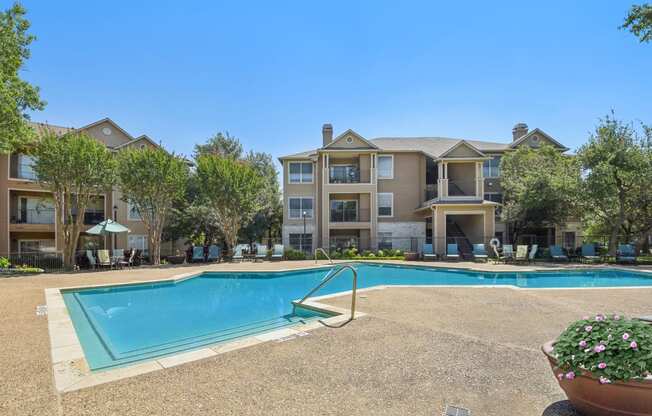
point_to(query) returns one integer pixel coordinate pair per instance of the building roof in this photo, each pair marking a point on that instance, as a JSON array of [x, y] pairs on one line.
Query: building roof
[[42, 127]]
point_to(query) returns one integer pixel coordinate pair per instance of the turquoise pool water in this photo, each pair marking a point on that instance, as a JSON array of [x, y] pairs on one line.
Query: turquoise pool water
[[124, 324]]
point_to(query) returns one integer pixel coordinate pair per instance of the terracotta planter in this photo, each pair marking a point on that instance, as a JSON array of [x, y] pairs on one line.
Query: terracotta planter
[[590, 398]]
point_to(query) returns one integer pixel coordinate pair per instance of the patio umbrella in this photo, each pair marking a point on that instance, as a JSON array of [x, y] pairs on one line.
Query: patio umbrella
[[108, 227]]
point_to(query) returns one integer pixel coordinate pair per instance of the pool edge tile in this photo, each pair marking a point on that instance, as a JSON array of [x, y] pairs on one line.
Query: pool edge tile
[[186, 357]]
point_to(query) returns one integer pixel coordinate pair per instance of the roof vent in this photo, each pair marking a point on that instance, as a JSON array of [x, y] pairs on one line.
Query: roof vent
[[519, 130]]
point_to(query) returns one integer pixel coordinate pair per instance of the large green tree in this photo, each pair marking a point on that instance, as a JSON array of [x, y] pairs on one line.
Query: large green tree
[[152, 180], [221, 144], [76, 168], [17, 96], [617, 180], [639, 21], [232, 189], [540, 188]]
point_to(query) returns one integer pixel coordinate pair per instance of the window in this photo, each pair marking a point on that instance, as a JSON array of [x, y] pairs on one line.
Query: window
[[386, 167], [569, 240], [491, 167], [301, 242], [298, 206], [138, 242], [133, 214], [35, 246], [344, 174], [300, 172], [344, 211], [384, 241], [26, 167], [385, 204]]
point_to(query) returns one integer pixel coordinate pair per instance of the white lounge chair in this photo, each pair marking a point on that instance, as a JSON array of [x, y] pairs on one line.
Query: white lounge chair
[[261, 252], [277, 253], [237, 252], [533, 252]]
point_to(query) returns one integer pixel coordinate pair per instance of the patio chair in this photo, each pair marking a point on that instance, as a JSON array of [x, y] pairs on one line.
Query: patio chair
[[625, 254], [103, 258], [197, 254], [117, 257], [479, 252], [261, 252], [521, 253], [91, 259], [508, 253], [588, 253], [214, 253], [128, 261], [533, 253], [277, 253], [428, 254], [452, 252], [237, 252], [557, 254]]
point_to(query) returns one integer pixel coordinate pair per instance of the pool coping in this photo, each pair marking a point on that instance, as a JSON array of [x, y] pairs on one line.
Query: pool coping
[[71, 370]]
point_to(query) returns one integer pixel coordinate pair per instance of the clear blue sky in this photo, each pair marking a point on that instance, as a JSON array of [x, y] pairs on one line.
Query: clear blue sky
[[271, 73]]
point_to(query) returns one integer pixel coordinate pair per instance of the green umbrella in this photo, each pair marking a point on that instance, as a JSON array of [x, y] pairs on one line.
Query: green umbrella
[[108, 226]]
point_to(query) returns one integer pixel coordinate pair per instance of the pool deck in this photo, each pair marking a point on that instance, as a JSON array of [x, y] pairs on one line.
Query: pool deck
[[416, 350]]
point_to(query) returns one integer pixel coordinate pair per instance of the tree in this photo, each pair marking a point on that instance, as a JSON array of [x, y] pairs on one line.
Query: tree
[[223, 145], [16, 96], [617, 179], [76, 168], [639, 22], [232, 189], [152, 180], [543, 196]]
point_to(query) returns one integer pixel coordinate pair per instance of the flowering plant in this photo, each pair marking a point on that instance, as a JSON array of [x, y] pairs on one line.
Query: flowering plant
[[609, 348]]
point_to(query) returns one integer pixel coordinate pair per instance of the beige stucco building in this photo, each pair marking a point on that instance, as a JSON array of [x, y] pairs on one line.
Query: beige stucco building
[[402, 192], [27, 214]]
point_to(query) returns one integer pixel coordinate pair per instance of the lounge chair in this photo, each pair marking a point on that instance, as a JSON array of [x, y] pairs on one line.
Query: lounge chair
[[521, 253], [197, 254], [214, 253], [117, 257], [625, 254], [533, 253], [237, 252], [428, 254], [261, 252], [91, 259], [479, 252], [129, 261], [278, 251], [557, 254], [588, 253], [104, 259], [508, 253], [452, 252]]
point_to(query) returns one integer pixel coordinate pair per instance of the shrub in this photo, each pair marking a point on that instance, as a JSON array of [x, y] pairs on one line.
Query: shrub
[[380, 253], [608, 348], [4, 263], [292, 254]]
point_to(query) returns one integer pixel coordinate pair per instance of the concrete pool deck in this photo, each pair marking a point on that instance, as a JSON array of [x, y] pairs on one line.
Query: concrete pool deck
[[417, 350]]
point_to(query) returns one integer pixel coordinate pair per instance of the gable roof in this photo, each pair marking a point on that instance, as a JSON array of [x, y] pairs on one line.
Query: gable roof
[[463, 143], [137, 139], [111, 122], [350, 132], [435, 147], [540, 132]]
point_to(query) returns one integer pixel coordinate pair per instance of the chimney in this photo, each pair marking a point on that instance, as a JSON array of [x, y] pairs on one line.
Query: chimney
[[327, 134], [519, 130]]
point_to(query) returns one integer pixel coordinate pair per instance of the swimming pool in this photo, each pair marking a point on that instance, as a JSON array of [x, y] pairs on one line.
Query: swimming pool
[[119, 325]]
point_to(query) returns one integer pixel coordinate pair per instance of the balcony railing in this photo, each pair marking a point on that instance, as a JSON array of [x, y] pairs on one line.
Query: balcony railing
[[298, 214], [91, 217], [461, 188], [348, 174], [33, 216], [349, 215]]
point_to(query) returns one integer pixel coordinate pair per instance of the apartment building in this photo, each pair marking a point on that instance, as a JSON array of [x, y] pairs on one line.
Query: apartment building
[[27, 211], [402, 192]]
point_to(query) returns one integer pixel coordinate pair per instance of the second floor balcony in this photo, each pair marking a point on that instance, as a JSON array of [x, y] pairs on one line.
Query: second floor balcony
[[348, 174], [349, 215], [33, 216]]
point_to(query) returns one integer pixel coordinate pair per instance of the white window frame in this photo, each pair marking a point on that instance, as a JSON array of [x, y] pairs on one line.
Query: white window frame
[[145, 239], [301, 179], [378, 166], [130, 205], [300, 217], [491, 174], [378, 204]]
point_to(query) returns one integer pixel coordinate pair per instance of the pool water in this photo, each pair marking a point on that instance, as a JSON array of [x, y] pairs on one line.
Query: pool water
[[120, 325]]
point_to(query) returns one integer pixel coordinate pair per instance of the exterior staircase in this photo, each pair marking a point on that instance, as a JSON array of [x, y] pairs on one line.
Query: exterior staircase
[[454, 234]]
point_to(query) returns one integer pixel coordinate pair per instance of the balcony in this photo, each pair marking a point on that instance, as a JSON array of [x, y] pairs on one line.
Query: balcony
[[348, 175], [91, 217], [349, 215], [461, 189], [430, 192], [33, 216]]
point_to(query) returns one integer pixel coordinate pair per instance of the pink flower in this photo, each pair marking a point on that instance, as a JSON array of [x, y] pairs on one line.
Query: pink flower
[[582, 344], [602, 366], [616, 317], [570, 375], [625, 336], [604, 380], [588, 328], [633, 345], [599, 348], [599, 317], [560, 376]]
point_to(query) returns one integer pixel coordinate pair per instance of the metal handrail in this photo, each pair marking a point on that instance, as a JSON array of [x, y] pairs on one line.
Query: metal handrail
[[330, 277], [325, 254]]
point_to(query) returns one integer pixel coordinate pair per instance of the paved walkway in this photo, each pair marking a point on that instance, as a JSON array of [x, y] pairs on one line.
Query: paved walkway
[[419, 349]]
